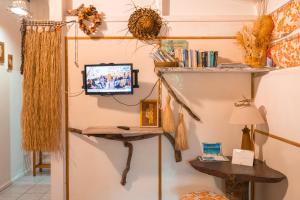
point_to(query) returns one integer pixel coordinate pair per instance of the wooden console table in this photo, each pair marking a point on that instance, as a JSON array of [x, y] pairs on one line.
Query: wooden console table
[[237, 177], [127, 136]]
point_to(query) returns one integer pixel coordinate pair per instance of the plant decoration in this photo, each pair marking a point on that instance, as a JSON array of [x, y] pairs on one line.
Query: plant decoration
[[89, 18], [256, 40], [145, 24]]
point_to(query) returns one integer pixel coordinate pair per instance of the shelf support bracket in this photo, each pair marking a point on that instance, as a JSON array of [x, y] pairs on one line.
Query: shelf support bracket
[[126, 170], [126, 141]]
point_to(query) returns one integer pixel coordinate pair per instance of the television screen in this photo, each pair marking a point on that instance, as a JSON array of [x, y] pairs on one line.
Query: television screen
[[105, 79]]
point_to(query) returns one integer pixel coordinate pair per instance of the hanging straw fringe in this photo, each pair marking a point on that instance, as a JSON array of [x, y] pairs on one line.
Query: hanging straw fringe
[[41, 113], [181, 142], [168, 123]]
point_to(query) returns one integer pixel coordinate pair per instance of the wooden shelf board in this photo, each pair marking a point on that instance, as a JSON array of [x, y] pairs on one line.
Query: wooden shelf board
[[116, 131], [166, 70]]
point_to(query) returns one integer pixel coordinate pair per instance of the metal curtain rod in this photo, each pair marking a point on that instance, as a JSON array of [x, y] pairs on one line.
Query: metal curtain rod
[[45, 23]]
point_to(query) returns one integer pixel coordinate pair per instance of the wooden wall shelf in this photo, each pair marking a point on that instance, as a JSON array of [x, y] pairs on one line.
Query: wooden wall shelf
[[166, 70], [127, 136], [161, 71]]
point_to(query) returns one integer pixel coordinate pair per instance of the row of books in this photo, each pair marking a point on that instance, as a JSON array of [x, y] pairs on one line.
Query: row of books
[[196, 58]]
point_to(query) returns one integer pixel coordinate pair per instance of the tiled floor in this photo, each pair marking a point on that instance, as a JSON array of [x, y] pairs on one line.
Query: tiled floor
[[28, 188]]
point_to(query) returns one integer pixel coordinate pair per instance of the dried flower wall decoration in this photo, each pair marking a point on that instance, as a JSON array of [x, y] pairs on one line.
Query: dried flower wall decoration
[[88, 17]]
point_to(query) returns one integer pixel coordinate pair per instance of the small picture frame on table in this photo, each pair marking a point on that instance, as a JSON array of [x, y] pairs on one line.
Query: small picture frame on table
[[149, 113], [2, 52]]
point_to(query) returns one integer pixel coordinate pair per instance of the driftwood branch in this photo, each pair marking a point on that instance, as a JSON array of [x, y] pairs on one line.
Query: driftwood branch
[[126, 140], [172, 93], [126, 170]]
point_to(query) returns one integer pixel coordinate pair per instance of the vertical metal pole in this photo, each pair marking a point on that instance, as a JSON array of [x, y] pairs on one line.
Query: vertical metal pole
[[252, 185], [159, 141], [67, 121]]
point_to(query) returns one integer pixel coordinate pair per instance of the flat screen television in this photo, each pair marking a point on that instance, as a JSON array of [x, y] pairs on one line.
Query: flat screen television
[[108, 79]]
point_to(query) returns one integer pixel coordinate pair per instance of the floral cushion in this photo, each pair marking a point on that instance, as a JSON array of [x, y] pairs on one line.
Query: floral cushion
[[287, 53], [286, 19], [203, 196]]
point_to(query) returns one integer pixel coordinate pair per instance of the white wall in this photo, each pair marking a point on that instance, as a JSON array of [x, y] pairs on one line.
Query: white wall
[[203, 7], [210, 95], [96, 165], [277, 94], [89, 157], [40, 9], [12, 163]]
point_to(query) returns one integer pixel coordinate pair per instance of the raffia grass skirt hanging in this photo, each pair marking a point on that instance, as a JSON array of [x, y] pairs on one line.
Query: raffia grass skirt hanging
[[41, 112]]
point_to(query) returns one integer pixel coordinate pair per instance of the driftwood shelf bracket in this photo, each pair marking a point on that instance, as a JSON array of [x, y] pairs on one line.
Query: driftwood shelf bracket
[[180, 102], [126, 141], [126, 170]]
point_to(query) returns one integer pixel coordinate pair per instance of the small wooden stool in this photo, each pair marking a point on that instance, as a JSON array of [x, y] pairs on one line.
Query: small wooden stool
[[40, 165], [203, 196]]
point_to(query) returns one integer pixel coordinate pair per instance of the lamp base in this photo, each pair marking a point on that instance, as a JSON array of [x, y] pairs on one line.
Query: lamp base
[[247, 143]]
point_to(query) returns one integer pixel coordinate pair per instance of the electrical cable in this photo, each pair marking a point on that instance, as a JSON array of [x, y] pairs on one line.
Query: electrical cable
[[131, 105], [75, 94]]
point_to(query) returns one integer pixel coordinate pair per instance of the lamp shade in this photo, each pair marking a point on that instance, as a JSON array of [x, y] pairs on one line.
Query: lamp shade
[[246, 114]]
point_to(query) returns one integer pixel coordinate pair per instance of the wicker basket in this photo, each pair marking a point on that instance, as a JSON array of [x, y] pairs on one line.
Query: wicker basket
[[166, 64]]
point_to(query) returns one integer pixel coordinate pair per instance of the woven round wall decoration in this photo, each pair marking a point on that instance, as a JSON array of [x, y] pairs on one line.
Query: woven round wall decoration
[[145, 24]]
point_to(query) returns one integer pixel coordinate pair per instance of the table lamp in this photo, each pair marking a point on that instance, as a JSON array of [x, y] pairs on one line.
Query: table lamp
[[245, 113]]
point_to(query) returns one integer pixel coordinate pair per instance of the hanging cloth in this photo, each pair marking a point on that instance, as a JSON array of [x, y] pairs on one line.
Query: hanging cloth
[[181, 142], [42, 89], [168, 123]]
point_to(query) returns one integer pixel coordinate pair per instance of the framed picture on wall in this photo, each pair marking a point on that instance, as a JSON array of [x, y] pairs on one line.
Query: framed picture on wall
[[10, 62], [2, 52], [149, 113]]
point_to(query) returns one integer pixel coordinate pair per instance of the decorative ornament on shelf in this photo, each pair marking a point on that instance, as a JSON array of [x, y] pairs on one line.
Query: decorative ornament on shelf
[[145, 24], [256, 39], [89, 18], [168, 123]]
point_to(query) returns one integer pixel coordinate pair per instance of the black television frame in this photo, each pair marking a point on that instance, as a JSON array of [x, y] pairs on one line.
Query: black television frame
[[107, 93]]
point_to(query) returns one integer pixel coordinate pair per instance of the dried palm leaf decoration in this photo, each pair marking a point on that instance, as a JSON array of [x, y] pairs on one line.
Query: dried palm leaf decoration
[[255, 40], [145, 24], [42, 89], [168, 123], [181, 142]]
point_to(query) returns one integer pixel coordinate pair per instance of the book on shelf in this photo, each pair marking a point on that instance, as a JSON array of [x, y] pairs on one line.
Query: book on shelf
[[178, 50], [195, 58], [212, 158], [212, 152], [171, 46], [162, 56]]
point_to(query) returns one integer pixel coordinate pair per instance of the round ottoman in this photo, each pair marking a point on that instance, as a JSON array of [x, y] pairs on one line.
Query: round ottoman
[[203, 196]]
